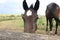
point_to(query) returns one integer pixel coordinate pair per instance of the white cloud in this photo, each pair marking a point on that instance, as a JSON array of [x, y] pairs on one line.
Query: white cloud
[[16, 5], [43, 5], [2, 1]]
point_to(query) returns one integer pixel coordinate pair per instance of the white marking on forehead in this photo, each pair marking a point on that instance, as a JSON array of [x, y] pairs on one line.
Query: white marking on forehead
[[29, 13]]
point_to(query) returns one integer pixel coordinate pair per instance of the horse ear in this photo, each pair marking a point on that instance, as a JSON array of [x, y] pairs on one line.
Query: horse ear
[[25, 6], [36, 7], [31, 6]]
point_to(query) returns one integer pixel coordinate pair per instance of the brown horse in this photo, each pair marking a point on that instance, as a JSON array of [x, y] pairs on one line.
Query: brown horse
[[52, 11], [30, 17]]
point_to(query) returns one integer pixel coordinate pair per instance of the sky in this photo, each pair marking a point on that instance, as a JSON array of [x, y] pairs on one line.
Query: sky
[[15, 6]]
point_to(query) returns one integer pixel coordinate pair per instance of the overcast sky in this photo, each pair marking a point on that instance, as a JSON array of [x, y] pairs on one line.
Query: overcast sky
[[15, 6]]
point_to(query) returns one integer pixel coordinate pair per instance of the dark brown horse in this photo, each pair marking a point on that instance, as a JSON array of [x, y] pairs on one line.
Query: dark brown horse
[[30, 17], [52, 11]]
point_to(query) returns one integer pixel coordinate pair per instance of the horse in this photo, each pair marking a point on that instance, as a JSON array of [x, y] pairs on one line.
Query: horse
[[30, 17], [52, 11]]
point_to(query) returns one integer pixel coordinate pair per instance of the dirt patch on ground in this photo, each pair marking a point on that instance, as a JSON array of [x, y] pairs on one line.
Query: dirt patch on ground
[[9, 35], [10, 30], [11, 25]]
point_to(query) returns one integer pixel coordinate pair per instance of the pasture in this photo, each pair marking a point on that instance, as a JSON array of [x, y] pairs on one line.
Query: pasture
[[15, 23]]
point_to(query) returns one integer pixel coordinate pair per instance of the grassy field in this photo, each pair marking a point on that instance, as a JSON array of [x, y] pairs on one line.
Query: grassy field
[[15, 23]]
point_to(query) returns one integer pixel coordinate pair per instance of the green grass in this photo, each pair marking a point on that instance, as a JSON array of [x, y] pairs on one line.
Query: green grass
[[19, 22], [16, 21]]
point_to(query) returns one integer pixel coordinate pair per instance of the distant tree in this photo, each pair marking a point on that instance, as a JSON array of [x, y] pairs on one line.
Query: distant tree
[[12, 15], [19, 15], [22, 14]]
